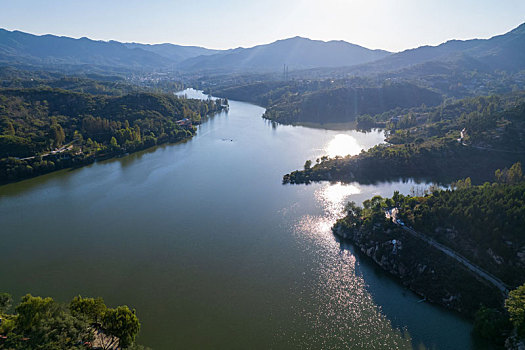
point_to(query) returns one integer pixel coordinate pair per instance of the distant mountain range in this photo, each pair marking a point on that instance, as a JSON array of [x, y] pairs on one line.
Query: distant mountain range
[[296, 53], [503, 52], [175, 53], [18, 48]]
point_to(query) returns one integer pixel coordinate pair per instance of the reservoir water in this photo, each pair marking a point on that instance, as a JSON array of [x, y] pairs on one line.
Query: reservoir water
[[212, 250]]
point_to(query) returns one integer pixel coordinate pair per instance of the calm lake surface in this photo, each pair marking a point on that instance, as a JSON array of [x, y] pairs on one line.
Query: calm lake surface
[[212, 250]]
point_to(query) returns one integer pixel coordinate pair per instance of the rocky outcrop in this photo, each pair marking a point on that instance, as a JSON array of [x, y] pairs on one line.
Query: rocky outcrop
[[420, 267]]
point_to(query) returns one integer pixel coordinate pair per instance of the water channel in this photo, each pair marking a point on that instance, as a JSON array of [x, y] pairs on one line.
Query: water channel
[[212, 250]]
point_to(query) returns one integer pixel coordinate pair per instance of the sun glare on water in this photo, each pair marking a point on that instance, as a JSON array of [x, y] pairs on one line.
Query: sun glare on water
[[333, 198], [335, 195], [347, 307], [342, 145]]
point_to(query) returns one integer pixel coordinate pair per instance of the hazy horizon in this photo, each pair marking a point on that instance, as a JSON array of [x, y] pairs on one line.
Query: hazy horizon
[[257, 44], [374, 25]]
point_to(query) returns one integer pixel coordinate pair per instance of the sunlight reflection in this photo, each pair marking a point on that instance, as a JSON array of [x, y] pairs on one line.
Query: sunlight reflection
[[336, 286], [342, 145], [332, 198], [336, 194]]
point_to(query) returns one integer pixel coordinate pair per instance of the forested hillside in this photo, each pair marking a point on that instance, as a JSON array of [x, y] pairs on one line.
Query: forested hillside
[[328, 101], [344, 104], [471, 137], [482, 223], [43, 129]]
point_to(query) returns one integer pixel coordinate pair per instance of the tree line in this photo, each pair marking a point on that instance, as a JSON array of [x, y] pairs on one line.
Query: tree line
[[42, 323], [470, 137], [46, 129]]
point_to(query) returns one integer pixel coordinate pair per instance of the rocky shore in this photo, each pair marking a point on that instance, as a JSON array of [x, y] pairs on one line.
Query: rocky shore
[[428, 272]]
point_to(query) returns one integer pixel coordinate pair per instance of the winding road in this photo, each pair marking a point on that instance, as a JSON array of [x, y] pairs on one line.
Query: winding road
[[474, 268]]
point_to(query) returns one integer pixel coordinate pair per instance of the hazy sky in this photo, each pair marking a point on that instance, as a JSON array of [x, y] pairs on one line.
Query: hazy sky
[[387, 24]]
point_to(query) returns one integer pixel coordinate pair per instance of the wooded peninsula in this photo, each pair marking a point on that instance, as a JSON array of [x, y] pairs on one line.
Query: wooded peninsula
[[43, 129]]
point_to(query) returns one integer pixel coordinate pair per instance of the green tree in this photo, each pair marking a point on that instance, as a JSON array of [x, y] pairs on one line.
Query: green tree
[[491, 324], [6, 126], [48, 325], [122, 323], [397, 197], [513, 175], [353, 212], [307, 165], [77, 136], [57, 134], [462, 184], [136, 131], [5, 302], [31, 310], [92, 309], [113, 142], [515, 305]]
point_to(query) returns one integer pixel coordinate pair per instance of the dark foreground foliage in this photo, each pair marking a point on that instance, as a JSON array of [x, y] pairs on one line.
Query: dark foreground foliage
[[42, 323]]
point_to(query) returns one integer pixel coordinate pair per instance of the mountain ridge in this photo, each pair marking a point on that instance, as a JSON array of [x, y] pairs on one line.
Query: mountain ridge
[[296, 52], [505, 51], [501, 52], [18, 47], [174, 52]]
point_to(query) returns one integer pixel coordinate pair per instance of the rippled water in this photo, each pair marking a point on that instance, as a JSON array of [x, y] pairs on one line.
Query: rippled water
[[212, 250]]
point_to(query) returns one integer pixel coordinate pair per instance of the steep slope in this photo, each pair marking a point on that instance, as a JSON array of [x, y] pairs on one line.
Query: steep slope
[[296, 53], [504, 52], [22, 48], [344, 104]]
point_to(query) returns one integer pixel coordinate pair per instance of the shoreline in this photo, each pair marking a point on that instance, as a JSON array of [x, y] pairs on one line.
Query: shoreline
[[446, 283], [79, 162], [73, 163]]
